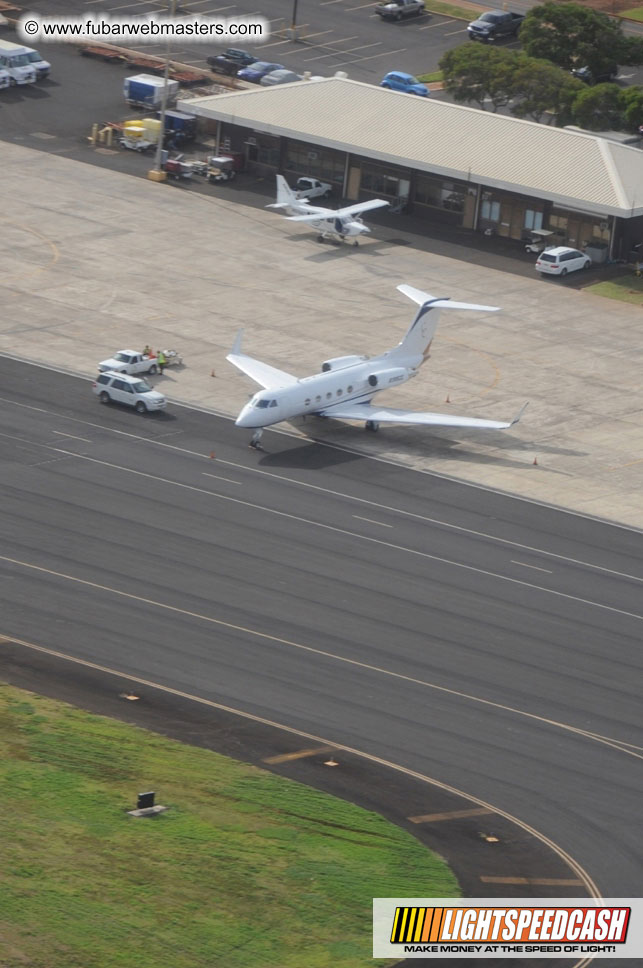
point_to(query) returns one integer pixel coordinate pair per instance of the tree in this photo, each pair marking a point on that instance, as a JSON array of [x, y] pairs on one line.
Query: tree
[[631, 104], [573, 36], [478, 75], [599, 108], [536, 87], [540, 88]]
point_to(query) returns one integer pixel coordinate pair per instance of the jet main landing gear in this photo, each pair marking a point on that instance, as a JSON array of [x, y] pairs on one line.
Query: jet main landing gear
[[372, 425]]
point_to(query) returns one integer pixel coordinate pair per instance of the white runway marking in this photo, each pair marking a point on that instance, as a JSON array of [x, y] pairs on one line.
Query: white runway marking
[[73, 436], [349, 497], [371, 521], [535, 567], [345, 531], [228, 479]]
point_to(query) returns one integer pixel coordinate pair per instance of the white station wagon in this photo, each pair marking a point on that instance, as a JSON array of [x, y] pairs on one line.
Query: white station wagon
[[131, 390], [561, 260]]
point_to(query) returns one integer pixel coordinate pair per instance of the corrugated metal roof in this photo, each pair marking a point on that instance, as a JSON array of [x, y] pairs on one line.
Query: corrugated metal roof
[[570, 168]]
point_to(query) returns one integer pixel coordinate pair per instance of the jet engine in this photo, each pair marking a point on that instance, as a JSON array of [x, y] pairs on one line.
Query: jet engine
[[340, 362], [387, 378]]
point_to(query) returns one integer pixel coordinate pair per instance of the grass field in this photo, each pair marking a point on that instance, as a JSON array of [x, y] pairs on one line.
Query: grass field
[[434, 77], [245, 869], [627, 288]]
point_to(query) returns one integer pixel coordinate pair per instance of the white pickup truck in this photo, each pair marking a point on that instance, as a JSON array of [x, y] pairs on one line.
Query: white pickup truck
[[312, 188], [127, 361]]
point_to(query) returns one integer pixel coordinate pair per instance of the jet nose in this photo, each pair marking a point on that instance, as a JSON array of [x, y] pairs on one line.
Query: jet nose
[[245, 417]]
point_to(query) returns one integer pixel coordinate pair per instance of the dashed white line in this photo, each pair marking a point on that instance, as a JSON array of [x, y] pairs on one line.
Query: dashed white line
[[371, 521], [219, 478], [73, 436], [535, 567]]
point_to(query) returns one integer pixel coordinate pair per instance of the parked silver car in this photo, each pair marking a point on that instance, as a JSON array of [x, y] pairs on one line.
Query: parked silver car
[[279, 77]]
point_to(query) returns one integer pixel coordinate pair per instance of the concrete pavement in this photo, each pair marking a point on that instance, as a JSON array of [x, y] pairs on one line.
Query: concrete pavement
[[94, 260]]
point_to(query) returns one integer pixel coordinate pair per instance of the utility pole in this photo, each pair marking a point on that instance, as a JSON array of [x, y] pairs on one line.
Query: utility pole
[[158, 174]]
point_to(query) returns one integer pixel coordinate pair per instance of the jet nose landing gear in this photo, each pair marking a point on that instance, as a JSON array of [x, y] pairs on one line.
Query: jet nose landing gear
[[372, 425], [255, 440]]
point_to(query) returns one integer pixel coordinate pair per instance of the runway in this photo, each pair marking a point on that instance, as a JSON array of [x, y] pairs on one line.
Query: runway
[[488, 642]]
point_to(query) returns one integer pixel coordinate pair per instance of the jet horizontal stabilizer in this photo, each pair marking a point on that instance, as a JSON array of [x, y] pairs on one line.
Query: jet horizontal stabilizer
[[421, 298]]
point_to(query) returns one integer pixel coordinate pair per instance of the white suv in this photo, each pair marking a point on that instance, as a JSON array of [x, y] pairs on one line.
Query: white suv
[[561, 260], [131, 390]]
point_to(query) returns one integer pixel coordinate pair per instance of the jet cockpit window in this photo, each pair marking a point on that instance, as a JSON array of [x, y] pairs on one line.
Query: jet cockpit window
[[261, 404], [273, 403]]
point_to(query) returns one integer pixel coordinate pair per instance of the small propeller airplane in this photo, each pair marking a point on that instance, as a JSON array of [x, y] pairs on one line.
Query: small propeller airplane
[[347, 384], [338, 224]]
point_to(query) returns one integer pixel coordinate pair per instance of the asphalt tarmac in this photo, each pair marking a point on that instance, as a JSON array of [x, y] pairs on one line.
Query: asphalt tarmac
[[487, 643]]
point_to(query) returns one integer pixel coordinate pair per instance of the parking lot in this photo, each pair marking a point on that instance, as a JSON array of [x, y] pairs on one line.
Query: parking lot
[[333, 34]]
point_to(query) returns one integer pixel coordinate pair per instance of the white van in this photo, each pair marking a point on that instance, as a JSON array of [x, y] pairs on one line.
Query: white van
[[14, 58], [38, 62]]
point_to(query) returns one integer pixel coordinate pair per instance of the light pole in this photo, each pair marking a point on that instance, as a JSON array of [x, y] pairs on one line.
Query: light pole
[[158, 174], [293, 23]]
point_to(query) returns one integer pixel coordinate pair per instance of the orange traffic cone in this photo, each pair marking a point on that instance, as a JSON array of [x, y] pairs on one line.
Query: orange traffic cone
[[448, 399], [535, 463]]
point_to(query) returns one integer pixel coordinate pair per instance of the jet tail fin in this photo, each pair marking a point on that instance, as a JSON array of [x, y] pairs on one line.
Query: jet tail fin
[[417, 342], [236, 349]]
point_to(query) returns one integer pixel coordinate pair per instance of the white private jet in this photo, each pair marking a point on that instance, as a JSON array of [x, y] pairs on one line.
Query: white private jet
[[347, 384], [339, 224]]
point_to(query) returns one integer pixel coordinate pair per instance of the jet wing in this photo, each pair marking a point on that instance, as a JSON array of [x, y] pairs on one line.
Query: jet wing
[[332, 213], [364, 411], [262, 373]]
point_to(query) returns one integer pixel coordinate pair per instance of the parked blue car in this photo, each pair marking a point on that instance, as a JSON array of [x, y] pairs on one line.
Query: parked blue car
[[254, 72], [399, 81]]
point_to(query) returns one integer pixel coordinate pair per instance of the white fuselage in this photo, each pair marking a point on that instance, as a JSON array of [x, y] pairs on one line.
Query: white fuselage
[[319, 393], [338, 227]]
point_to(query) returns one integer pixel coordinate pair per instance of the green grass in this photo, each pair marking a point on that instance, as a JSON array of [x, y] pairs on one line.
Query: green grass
[[627, 288], [452, 10], [430, 78], [245, 869], [636, 13]]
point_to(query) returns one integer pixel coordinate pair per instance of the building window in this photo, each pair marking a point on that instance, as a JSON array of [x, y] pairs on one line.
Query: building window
[[490, 211], [268, 156], [533, 220], [558, 222], [323, 163]]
